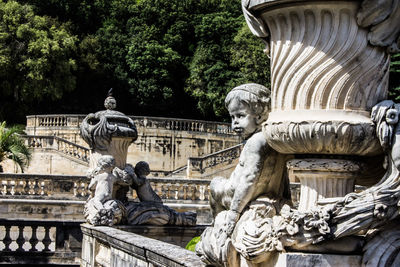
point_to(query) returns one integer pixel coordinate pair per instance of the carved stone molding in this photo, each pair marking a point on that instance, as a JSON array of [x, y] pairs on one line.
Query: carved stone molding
[[325, 57], [321, 132], [322, 178]]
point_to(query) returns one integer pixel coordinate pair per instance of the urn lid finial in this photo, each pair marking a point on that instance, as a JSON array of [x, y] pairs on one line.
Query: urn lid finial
[[110, 103]]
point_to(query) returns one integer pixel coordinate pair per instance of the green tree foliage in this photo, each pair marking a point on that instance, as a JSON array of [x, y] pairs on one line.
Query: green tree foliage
[[394, 78], [210, 69], [36, 57], [13, 147], [249, 57], [192, 243], [227, 55], [154, 53]]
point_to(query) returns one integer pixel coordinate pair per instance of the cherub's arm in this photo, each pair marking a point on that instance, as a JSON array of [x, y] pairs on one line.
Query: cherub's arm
[[251, 161], [246, 177]]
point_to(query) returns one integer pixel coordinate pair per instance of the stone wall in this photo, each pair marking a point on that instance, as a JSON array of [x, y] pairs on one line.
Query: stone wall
[[164, 143]]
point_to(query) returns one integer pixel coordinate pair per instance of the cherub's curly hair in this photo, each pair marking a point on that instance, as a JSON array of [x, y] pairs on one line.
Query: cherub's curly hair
[[256, 96]]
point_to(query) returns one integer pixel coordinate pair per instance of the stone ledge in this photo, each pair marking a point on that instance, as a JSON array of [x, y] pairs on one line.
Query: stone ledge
[[143, 248]]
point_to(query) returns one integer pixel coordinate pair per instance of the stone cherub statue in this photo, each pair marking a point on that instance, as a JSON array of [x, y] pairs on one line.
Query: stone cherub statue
[[100, 208], [109, 134], [142, 186], [260, 172], [261, 232], [150, 209]]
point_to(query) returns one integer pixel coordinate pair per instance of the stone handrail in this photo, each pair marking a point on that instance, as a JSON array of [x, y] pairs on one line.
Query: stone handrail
[[59, 144], [128, 249], [201, 164], [74, 121], [40, 242], [76, 187]]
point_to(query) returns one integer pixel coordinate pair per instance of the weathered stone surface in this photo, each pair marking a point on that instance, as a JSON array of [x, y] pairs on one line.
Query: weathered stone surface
[[131, 249], [329, 69], [165, 143], [322, 178], [109, 134], [326, 77]]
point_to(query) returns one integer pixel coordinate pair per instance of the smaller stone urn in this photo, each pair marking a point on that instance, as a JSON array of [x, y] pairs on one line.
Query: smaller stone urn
[[109, 134]]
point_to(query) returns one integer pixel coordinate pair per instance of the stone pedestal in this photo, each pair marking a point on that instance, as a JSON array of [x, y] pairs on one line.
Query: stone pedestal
[[322, 178], [118, 148]]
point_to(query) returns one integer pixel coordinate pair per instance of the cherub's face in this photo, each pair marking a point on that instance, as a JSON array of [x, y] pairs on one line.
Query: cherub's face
[[244, 121]]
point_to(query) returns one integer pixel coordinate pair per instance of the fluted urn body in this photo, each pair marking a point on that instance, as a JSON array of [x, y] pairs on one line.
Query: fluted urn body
[[325, 77]]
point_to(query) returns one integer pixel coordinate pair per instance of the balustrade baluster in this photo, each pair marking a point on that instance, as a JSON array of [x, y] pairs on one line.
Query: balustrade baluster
[[34, 240], [207, 193], [84, 189], [20, 187], [75, 189], [170, 191], [46, 240], [189, 192], [196, 192], [12, 187], [180, 194], [36, 187], [185, 192], [4, 188], [7, 239], [202, 192], [20, 240], [71, 150], [42, 188], [175, 190]]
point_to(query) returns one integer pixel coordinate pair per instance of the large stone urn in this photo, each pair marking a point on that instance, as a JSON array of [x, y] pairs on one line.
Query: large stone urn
[[328, 69]]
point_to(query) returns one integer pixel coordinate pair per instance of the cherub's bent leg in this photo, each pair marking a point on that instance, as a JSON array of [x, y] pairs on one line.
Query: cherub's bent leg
[[219, 197]]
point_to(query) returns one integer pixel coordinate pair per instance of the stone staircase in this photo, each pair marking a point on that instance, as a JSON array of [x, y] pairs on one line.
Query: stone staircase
[[165, 143], [219, 163], [60, 145]]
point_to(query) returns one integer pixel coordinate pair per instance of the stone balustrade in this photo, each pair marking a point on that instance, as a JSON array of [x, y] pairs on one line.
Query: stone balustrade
[[182, 190], [76, 187], [59, 144], [203, 166], [35, 185], [74, 121], [40, 242]]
